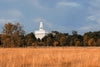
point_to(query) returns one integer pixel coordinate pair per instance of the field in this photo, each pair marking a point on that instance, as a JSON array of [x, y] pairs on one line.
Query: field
[[50, 57]]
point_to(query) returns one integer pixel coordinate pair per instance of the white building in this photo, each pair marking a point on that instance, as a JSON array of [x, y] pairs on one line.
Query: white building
[[41, 32]]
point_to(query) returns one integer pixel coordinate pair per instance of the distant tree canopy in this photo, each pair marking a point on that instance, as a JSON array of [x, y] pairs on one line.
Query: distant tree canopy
[[13, 29], [30, 38], [13, 36]]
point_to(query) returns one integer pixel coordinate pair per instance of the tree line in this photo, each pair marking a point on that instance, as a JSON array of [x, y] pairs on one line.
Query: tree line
[[13, 35]]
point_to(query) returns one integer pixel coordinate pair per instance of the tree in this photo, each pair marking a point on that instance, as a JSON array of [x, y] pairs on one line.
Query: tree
[[58, 36], [78, 43], [49, 41], [71, 43], [74, 32], [55, 32], [30, 38], [49, 36], [91, 42], [63, 41], [55, 43], [20, 41], [10, 29], [34, 44], [6, 42], [85, 40], [98, 42]]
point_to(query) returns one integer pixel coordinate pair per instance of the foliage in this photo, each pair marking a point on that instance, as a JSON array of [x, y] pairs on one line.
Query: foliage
[[78, 43], [91, 42], [63, 41], [55, 43], [49, 41], [13, 36], [10, 29], [98, 42]]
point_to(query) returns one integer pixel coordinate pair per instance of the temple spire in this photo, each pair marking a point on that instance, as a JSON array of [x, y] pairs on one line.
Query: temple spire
[[41, 25], [41, 32]]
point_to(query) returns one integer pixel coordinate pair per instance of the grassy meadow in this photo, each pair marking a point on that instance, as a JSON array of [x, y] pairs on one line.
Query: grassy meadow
[[50, 57]]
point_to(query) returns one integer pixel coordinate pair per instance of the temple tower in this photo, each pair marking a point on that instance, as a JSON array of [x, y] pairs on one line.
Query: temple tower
[[41, 32]]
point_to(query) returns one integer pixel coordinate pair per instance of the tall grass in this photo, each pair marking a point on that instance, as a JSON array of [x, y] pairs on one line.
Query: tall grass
[[50, 57]]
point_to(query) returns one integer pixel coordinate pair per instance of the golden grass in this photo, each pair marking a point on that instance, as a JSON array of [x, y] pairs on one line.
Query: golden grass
[[50, 57]]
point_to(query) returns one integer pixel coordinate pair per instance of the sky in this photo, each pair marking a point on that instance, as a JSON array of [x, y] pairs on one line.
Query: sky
[[57, 15]]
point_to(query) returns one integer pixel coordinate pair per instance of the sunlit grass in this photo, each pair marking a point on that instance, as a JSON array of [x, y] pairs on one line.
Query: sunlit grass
[[50, 57]]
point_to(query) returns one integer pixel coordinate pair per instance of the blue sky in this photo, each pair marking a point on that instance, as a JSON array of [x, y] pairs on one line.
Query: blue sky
[[60, 15]]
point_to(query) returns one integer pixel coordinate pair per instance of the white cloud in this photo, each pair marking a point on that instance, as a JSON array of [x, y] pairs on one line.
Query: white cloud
[[93, 18], [4, 21], [71, 4], [94, 10]]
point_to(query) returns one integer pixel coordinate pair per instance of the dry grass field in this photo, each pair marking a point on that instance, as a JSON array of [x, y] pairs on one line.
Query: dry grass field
[[50, 57]]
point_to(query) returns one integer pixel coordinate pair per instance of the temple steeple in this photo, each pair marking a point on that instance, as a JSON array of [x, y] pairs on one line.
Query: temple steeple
[[41, 25], [41, 32]]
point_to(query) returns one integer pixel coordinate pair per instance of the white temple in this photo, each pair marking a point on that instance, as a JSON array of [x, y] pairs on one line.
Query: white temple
[[41, 32]]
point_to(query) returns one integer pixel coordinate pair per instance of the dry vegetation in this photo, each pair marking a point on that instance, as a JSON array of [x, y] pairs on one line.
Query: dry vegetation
[[50, 57]]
